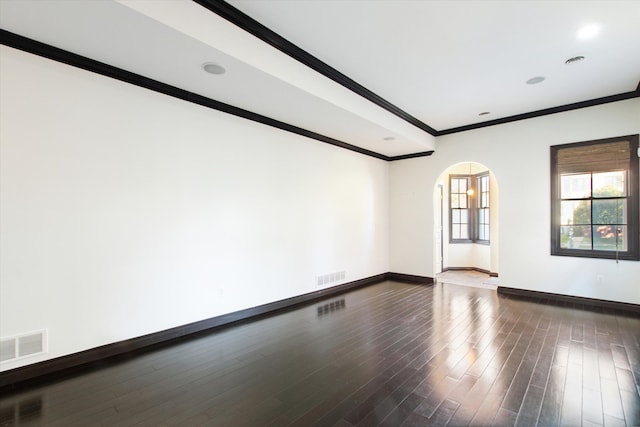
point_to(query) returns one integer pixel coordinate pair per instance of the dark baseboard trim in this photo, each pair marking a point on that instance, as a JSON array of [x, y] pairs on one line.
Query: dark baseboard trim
[[538, 296], [26, 376], [409, 278], [23, 377], [480, 270]]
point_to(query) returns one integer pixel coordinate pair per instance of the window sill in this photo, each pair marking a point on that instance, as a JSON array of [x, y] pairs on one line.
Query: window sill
[[477, 242], [622, 256]]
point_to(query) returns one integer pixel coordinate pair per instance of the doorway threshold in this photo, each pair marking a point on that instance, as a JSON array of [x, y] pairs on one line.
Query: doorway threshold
[[470, 278]]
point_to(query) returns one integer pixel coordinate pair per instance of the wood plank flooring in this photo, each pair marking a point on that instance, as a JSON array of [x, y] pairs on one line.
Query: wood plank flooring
[[390, 354]]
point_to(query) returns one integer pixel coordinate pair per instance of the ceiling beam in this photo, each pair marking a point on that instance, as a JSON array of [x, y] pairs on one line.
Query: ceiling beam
[[44, 50], [240, 19]]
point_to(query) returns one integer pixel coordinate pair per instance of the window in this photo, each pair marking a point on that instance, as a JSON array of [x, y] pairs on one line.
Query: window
[[483, 207], [469, 208], [594, 199], [459, 208]]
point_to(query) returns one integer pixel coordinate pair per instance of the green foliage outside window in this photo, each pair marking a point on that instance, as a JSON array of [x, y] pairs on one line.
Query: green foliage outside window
[[609, 211]]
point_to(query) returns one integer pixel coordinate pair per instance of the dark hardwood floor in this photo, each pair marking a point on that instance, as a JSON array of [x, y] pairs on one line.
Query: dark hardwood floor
[[390, 354]]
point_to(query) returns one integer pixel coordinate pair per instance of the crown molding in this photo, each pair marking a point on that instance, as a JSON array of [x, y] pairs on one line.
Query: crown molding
[[60, 55], [240, 19], [544, 112]]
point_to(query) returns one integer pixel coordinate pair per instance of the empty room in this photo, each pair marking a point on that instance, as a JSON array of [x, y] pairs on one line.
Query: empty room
[[319, 213]]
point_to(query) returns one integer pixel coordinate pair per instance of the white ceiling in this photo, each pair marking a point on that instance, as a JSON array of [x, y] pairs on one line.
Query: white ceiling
[[442, 62]]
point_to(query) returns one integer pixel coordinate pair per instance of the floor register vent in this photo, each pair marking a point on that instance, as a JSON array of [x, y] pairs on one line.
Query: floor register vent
[[25, 345]]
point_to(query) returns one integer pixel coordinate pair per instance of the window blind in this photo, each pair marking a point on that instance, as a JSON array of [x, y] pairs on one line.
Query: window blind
[[594, 158]]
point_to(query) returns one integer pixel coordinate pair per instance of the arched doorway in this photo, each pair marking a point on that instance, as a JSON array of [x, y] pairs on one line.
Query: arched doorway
[[466, 228]]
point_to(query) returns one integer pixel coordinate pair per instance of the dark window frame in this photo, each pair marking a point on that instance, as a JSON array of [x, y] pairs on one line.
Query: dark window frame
[[480, 189], [633, 197], [468, 180], [473, 208]]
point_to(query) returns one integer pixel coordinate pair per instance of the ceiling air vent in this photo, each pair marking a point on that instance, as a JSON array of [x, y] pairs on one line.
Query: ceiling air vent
[[574, 60]]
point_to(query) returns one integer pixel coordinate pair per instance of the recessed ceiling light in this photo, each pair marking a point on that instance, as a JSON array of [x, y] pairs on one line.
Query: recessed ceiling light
[[588, 31], [212, 68], [535, 80], [389, 138], [574, 59], [484, 113]]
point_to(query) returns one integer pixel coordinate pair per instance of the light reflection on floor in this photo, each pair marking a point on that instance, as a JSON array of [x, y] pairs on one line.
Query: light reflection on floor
[[471, 278], [468, 358]]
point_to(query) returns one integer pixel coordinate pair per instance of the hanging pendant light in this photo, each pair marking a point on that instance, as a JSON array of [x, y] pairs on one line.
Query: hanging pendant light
[[470, 190]]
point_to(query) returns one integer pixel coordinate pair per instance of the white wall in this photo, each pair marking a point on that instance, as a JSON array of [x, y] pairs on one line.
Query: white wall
[[124, 212], [518, 155]]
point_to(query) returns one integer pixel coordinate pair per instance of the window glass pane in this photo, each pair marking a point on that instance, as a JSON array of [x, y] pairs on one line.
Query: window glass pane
[[609, 184], [455, 203], [464, 216], [483, 232], [612, 211], [455, 231], [463, 201], [484, 200], [575, 186], [575, 212], [463, 186], [486, 217], [609, 237], [482, 216], [454, 186], [575, 237], [464, 231], [455, 216]]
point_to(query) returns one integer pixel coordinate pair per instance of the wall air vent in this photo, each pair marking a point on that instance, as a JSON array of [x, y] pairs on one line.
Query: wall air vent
[[24, 345], [331, 278]]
